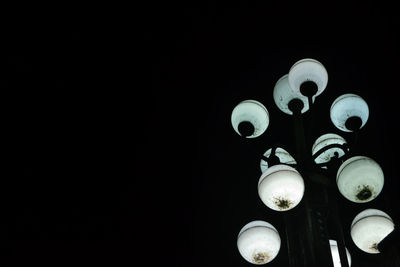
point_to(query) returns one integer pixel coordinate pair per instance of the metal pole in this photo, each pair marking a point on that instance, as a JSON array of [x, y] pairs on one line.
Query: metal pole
[[340, 236], [313, 233], [290, 240]]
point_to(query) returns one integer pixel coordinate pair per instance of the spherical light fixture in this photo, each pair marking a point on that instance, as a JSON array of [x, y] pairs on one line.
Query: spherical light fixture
[[283, 155], [324, 141], [253, 113], [360, 179], [283, 94], [335, 254], [348, 106], [258, 242], [281, 187], [308, 70], [369, 228]]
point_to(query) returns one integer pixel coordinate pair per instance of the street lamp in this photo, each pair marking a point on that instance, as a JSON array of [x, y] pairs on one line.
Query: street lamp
[[304, 181]]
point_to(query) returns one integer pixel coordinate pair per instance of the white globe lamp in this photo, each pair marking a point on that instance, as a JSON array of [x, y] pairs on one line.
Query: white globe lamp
[[369, 228], [258, 242], [308, 70], [348, 106], [281, 187], [253, 112], [360, 179]]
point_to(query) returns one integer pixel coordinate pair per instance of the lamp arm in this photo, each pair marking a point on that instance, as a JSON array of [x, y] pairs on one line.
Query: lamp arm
[[344, 147], [271, 159]]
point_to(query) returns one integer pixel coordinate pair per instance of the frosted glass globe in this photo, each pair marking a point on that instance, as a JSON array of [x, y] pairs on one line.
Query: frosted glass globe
[[346, 106], [335, 254], [283, 155], [360, 179], [369, 228], [325, 140], [308, 70], [283, 94], [258, 242], [253, 112], [281, 187]]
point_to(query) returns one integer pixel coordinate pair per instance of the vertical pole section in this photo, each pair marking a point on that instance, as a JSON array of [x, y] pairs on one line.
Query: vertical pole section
[[305, 232], [316, 245], [299, 135], [339, 230], [290, 240]]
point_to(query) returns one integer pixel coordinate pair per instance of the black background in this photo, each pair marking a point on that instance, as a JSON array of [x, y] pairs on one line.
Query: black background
[[118, 124]]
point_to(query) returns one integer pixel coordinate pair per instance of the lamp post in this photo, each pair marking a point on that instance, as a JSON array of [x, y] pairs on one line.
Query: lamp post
[[307, 180]]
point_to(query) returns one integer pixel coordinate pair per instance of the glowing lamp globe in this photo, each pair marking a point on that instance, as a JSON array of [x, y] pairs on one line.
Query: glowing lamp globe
[[369, 228], [308, 70], [258, 242], [347, 106], [335, 254], [283, 94], [283, 155], [253, 112], [324, 141], [281, 187], [360, 179]]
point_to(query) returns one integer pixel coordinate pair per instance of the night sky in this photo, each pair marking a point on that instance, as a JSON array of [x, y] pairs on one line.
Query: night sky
[[118, 123]]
